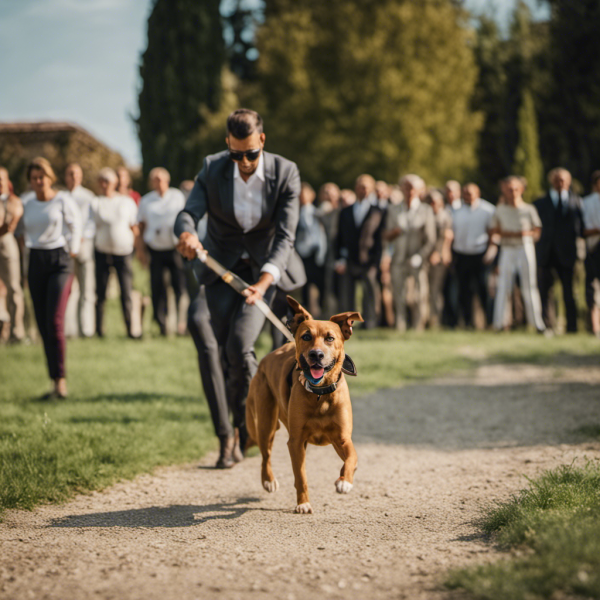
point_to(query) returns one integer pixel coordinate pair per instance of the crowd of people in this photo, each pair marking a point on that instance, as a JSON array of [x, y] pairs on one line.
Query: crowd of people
[[422, 255]]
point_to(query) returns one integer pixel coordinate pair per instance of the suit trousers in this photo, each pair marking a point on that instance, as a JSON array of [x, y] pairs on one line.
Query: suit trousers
[[315, 274], [50, 276], [162, 261], [10, 274], [437, 278], [236, 326], [546, 281], [518, 260], [122, 265], [401, 273], [471, 273], [85, 275], [367, 275], [592, 277], [210, 362]]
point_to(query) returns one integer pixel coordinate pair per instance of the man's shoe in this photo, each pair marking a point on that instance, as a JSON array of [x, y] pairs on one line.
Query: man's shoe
[[225, 460]]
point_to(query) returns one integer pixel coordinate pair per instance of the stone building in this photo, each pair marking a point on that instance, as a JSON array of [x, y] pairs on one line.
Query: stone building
[[61, 143]]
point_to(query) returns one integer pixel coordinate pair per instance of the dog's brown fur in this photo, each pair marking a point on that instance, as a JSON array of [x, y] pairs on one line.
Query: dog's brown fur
[[309, 418]]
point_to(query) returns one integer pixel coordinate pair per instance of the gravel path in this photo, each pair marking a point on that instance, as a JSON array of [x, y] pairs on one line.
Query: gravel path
[[430, 456]]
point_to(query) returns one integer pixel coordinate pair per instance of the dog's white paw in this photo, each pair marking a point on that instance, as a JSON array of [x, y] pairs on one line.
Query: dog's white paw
[[271, 486], [342, 486], [304, 509]]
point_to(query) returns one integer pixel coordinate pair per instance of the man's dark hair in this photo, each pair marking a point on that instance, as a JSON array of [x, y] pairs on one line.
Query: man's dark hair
[[595, 177], [244, 122]]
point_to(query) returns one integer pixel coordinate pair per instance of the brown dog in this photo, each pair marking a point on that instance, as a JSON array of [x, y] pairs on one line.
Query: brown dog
[[303, 386]]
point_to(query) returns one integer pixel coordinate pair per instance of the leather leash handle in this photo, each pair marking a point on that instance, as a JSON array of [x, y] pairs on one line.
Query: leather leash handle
[[240, 286]]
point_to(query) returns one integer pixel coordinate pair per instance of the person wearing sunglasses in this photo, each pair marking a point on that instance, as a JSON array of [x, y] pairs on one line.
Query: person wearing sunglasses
[[251, 199]]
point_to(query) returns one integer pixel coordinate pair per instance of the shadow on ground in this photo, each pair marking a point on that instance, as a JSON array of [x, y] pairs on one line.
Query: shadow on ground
[[161, 516]]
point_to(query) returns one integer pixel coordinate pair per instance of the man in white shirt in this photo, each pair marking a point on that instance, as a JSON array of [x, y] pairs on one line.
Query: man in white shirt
[[591, 232], [156, 218], [80, 314], [470, 224], [251, 198]]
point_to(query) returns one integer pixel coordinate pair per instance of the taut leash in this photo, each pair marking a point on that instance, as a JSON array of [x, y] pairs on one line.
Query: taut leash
[[240, 286]]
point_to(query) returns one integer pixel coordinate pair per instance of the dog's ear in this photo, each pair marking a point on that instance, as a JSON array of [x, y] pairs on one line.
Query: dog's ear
[[345, 320], [300, 315]]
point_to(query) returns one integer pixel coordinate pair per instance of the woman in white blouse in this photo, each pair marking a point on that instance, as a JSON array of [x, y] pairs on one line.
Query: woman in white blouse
[[115, 217], [53, 230]]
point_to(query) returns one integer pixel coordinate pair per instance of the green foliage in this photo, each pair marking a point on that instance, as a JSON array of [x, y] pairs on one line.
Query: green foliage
[[509, 70], [571, 116], [528, 161], [351, 87], [554, 528], [181, 73]]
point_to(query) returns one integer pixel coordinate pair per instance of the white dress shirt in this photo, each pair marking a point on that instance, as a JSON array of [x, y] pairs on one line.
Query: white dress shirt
[[564, 196], [114, 218], [52, 224], [247, 205], [361, 208], [84, 198], [591, 218], [158, 213], [471, 224]]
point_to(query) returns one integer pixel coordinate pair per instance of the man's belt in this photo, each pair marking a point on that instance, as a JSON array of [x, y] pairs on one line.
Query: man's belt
[[240, 286]]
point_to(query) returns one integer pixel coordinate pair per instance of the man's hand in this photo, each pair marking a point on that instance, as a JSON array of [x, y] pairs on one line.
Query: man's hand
[[435, 258], [188, 245], [259, 289]]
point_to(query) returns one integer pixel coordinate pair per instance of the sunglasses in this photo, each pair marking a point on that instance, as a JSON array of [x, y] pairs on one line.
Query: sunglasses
[[251, 155]]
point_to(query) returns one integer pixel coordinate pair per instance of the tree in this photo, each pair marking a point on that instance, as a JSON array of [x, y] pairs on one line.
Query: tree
[[489, 99], [181, 72], [571, 116], [381, 87], [528, 161]]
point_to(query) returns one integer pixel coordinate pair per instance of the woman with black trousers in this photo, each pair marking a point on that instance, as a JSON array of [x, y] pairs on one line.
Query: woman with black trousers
[[115, 217], [53, 230]]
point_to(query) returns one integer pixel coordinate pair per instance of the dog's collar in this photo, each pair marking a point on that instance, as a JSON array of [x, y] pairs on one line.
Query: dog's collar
[[321, 390]]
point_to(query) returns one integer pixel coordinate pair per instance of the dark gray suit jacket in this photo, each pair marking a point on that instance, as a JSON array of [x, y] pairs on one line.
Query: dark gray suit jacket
[[271, 241]]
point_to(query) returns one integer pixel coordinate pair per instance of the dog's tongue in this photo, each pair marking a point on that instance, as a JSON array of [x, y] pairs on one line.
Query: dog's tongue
[[317, 372]]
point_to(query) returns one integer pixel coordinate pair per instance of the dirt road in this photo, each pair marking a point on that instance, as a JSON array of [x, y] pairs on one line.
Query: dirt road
[[430, 456]]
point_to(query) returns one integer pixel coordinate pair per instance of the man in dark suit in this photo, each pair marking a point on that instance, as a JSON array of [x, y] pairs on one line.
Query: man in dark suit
[[562, 224], [251, 198], [358, 250]]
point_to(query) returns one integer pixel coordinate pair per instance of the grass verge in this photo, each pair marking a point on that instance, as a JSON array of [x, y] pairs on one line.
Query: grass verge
[[136, 405], [552, 530]]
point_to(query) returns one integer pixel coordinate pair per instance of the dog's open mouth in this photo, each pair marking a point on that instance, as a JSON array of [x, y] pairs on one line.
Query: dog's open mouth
[[315, 372]]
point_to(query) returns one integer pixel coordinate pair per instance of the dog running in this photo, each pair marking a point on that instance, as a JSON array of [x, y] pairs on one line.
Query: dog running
[[303, 386]]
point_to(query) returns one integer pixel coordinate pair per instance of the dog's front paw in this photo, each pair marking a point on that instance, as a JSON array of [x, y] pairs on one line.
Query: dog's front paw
[[271, 486], [342, 486], [304, 509]]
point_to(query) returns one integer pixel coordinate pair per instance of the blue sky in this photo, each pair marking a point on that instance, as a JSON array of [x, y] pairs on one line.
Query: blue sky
[[77, 60]]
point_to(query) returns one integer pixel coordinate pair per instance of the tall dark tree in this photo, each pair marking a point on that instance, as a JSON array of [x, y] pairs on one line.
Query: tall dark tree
[[181, 72], [571, 132], [489, 99]]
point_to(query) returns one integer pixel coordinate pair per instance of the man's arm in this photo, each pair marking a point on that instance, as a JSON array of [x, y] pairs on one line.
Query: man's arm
[[186, 223]]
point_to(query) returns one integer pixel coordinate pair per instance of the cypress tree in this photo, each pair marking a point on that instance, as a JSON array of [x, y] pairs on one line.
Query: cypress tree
[[528, 161], [181, 73]]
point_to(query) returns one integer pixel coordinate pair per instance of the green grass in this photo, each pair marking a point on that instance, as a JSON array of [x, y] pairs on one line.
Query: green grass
[[553, 532], [135, 405]]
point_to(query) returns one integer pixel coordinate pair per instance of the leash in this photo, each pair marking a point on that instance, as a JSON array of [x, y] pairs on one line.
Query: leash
[[240, 286]]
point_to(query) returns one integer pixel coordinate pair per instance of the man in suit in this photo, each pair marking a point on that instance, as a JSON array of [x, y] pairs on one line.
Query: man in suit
[[358, 250], [562, 223], [251, 198], [410, 229]]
